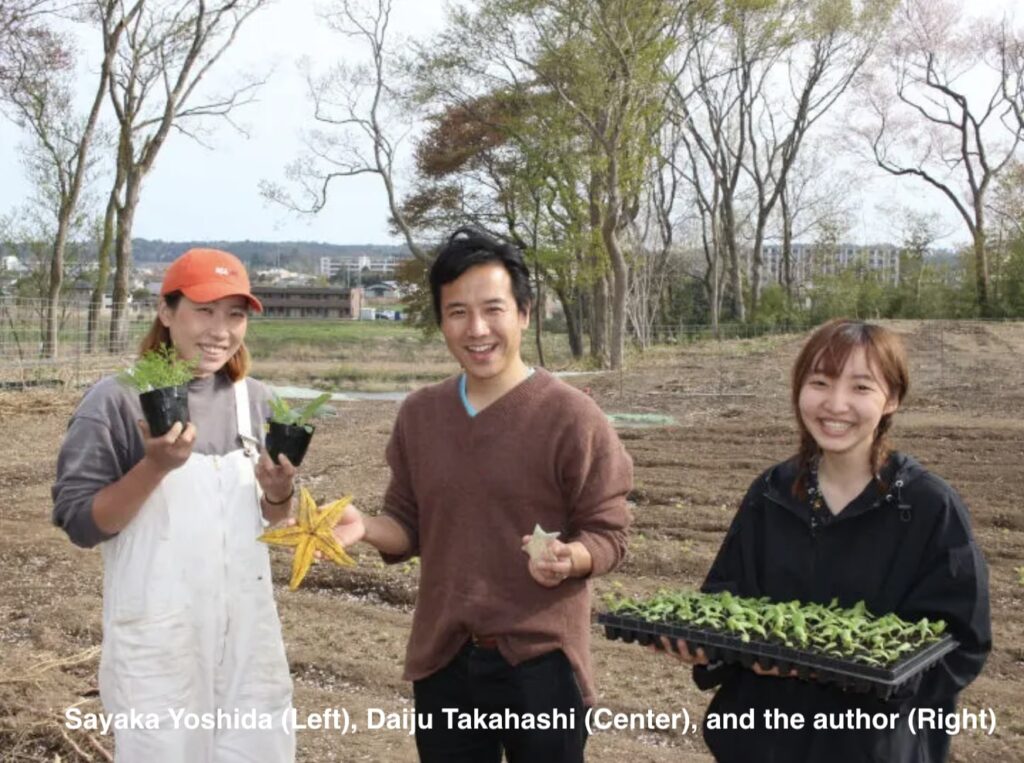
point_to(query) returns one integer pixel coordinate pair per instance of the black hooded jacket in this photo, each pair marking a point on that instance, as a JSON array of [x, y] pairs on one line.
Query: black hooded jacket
[[909, 550]]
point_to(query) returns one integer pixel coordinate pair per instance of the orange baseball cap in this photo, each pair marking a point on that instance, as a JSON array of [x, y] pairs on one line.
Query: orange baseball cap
[[205, 275]]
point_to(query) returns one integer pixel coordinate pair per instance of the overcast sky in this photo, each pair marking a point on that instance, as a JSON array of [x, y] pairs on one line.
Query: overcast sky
[[194, 193]]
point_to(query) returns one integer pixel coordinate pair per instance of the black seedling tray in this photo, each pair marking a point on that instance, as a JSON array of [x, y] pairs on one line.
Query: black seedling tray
[[846, 674]]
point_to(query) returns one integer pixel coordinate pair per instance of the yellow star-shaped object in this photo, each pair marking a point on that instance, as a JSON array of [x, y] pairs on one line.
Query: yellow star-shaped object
[[537, 546], [313, 532]]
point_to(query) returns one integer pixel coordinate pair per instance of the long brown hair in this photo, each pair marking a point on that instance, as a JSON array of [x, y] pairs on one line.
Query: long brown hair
[[826, 352], [238, 364]]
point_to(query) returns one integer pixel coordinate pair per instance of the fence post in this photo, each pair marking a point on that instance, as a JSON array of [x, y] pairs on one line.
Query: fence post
[[942, 357]]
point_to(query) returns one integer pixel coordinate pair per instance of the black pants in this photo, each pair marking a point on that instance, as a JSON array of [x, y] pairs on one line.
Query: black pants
[[482, 680]]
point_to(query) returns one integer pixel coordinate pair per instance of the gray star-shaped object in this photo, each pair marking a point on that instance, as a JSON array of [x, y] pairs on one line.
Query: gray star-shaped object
[[537, 546]]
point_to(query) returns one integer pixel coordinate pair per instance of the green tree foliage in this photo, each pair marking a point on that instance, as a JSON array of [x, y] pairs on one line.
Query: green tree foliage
[[412, 275], [1013, 288], [1008, 244], [546, 133]]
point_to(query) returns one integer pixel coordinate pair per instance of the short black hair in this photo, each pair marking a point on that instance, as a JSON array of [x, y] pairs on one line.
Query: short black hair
[[469, 247]]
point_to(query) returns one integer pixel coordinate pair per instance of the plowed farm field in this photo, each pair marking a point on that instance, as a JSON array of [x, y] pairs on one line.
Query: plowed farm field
[[345, 630]]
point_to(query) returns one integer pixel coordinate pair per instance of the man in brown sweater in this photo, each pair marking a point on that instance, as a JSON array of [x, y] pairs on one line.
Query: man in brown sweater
[[499, 651]]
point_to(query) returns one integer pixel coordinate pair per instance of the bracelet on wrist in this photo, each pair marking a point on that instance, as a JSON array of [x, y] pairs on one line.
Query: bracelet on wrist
[[283, 501]]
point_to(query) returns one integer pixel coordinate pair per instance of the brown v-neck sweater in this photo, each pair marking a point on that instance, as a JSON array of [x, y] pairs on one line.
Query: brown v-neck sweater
[[466, 489]]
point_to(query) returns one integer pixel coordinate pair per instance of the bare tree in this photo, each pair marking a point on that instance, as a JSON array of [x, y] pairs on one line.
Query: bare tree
[[929, 120], [655, 260], [28, 47], [814, 200], [820, 61], [701, 175], [1007, 204], [651, 253], [61, 154], [724, 77], [354, 106], [1009, 47], [164, 54], [17, 15]]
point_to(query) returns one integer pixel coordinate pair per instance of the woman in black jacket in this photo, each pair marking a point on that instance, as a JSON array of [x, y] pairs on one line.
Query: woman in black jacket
[[847, 517]]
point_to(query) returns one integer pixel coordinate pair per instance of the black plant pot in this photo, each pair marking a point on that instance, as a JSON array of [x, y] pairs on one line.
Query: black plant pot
[[290, 439], [163, 407]]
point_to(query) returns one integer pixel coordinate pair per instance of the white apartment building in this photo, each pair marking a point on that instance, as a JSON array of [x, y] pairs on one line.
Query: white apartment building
[[330, 266], [808, 260]]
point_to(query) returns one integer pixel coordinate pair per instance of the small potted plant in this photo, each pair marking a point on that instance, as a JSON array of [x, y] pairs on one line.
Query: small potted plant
[[161, 378], [289, 430]]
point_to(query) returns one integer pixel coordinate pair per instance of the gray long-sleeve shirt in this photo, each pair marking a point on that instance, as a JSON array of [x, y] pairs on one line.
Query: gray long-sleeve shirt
[[104, 442]]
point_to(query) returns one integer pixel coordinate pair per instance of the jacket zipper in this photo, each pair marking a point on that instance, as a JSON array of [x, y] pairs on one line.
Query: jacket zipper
[[815, 523], [814, 519]]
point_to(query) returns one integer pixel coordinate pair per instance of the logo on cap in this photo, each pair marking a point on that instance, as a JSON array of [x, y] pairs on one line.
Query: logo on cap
[[222, 271]]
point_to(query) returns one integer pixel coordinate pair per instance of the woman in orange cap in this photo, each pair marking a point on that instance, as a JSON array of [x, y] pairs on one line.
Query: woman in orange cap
[[193, 665]]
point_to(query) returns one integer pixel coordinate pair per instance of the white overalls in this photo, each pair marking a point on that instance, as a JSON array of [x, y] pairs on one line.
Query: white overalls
[[189, 621]]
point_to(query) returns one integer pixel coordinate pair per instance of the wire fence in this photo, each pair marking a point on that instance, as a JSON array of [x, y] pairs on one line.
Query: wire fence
[[22, 331], [934, 362]]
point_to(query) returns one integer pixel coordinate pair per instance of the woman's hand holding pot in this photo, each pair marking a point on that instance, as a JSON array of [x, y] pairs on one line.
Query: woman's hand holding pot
[[170, 450]]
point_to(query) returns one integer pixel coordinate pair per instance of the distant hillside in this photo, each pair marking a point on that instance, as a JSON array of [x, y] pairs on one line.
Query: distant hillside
[[296, 255]]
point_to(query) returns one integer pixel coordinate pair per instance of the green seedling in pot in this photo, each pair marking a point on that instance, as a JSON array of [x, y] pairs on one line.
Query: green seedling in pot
[[161, 378], [289, 431], [282, 413], [158, 369]]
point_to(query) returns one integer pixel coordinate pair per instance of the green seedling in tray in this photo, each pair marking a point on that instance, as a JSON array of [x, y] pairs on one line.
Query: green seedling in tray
[[850, 634]]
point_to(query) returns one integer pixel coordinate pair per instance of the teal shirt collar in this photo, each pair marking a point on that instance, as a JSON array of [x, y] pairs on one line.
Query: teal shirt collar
[[465, 400]]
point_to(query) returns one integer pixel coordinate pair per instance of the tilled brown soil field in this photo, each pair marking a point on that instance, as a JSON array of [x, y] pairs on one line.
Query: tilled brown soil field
[[345, 630]]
